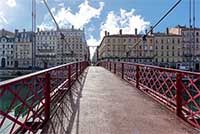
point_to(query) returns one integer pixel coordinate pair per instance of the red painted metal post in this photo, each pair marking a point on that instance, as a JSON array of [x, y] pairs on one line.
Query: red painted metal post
[[137, 77], [122, 70], [69, 76], [179, 94], [114, 68], [47, 96], [76, 70]]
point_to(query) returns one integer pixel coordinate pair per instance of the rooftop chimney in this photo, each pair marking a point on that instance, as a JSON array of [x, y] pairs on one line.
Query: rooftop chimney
[[16, 32], [72, 27], [24, 30], [120, 31], [108, 33], [135, 31], [105, 33], [38, 29], [167, 30]]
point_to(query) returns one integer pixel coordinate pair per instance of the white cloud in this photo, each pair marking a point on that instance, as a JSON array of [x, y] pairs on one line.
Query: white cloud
[[127, 21], [3, 20], [65, 17], [40, 1], [11, 3]]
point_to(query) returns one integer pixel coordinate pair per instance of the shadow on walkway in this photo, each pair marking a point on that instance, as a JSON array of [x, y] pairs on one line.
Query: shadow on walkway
[[62, 120]]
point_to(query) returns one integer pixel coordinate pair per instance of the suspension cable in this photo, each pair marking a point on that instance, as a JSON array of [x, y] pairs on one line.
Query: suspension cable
[[58, 28], [159, 21]]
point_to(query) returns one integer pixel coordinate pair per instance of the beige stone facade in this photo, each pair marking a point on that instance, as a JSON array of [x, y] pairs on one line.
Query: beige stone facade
[[190, 45], [116, 47], [169, 49], [23, 49], [52, 49]]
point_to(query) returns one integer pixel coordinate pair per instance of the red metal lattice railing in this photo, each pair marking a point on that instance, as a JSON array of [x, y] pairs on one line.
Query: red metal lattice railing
[[176, 89], [26, 102]]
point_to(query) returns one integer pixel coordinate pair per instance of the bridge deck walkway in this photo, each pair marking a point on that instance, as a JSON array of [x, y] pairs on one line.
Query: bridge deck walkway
[[102, 103]]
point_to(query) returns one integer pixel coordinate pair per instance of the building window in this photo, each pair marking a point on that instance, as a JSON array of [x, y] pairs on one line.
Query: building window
[[167, 47], [156, 41], [162, 41], [173, 47], [197, 34], [118, 40], [162, 53], [172, 41], [172, 53], [178, 41], [168, 40], [162, 47], [197, 40]]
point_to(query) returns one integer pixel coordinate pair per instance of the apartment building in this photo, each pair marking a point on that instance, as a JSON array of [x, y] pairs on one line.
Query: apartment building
[[162, 49], [72, 46], [126, 47], [23, 49], [168, 50], [7, 49], [46, 43], [52, 48], [190, 45], [60, 47]]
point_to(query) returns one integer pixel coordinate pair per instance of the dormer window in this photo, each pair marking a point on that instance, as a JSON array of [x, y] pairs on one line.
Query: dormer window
[[3, 40]]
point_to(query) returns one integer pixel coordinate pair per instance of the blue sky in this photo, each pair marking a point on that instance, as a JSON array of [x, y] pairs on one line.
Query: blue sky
[[96, 16]]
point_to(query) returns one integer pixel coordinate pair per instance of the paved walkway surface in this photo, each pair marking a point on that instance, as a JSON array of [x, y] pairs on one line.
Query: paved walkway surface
[[102, 103]]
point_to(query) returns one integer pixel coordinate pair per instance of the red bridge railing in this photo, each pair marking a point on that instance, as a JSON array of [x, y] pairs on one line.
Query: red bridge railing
[[176, 89], [26, 102]]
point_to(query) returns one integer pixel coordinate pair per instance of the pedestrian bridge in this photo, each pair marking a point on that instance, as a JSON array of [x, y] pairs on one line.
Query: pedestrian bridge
[[112, 98]]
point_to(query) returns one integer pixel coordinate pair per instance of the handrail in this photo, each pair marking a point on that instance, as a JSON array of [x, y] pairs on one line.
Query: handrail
[[35, 95], [178, 90], [162, 68], [34, 74]]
